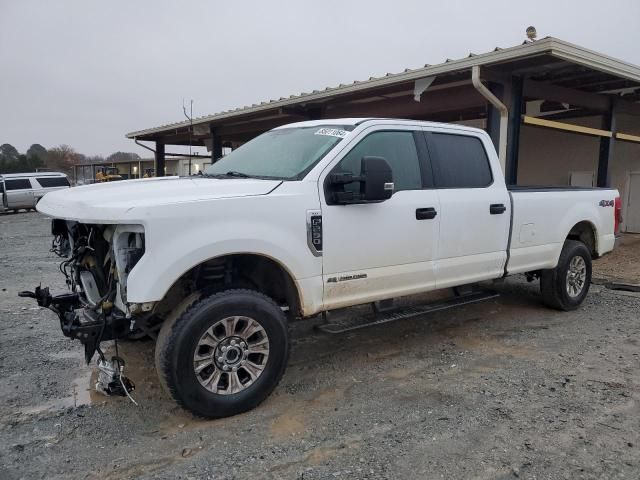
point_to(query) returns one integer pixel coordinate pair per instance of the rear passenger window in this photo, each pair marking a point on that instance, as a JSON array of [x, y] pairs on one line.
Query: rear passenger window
[[398, 148], [47, 182], [17, 184], [459, 161]]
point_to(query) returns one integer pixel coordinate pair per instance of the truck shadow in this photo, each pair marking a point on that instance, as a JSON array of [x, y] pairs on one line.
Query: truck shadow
[[324, 369]]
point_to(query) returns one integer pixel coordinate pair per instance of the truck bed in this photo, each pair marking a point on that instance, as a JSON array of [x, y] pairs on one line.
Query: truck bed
[[543, 216], [550, 188]]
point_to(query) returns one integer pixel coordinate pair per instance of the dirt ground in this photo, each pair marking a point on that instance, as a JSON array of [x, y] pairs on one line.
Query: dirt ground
[[498, 390], [623, 264]]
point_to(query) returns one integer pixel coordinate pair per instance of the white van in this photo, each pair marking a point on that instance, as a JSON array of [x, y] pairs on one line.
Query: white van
[[24, 190]]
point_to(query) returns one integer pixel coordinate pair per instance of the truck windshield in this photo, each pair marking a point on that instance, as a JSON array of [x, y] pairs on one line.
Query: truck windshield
[[286, 154]]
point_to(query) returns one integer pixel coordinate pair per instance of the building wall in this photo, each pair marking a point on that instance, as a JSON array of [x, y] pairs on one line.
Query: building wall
[[197, 164], [626, 159], [547, 156]]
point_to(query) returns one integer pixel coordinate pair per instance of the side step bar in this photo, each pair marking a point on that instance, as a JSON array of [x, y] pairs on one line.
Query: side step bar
[[353, 322]]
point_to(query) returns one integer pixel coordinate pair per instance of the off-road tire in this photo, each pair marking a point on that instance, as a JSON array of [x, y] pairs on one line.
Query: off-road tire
[[553, 282], [178, 339]]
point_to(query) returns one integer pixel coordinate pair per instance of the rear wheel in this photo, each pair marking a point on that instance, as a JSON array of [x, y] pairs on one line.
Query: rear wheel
[[566, 286], [225, 354]]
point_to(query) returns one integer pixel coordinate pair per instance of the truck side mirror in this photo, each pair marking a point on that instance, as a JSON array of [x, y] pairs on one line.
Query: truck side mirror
[[376, 182]]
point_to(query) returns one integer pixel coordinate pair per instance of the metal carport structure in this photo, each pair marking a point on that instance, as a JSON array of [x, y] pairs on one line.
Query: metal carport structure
[[572, 81]]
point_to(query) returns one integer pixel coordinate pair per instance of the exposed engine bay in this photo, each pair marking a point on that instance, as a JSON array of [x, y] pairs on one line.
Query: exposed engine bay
[[97, 260]]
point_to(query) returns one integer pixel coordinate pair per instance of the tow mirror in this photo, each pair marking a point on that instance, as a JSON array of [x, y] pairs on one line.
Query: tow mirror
[[377, 179], [376, 183]]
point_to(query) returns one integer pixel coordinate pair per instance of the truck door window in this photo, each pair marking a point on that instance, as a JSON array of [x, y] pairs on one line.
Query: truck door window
[[398, 148], [17, 184], [459, 161]]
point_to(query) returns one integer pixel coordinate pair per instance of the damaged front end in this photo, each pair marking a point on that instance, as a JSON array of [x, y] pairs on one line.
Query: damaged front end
[[97, 262]]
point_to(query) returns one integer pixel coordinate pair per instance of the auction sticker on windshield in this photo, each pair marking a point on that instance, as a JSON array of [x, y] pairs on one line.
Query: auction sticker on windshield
[[332, 132]]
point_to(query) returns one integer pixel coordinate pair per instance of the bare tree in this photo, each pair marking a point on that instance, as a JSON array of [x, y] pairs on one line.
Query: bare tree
[[63, 158]]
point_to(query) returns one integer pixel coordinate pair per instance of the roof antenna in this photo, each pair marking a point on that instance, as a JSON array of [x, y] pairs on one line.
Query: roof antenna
[[190, 118], [532, 34]]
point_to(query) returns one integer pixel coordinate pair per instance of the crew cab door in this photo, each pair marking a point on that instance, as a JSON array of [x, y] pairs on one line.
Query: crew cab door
[[373, 251], [475, 208]]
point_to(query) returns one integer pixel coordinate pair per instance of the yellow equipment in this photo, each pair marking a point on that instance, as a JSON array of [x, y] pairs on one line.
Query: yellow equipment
[[108, 174]]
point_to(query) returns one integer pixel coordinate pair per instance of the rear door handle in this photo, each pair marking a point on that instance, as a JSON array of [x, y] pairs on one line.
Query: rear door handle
[[426, 213], [497, 209]]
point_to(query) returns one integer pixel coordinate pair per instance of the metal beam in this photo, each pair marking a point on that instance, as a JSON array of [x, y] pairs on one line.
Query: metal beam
[[159, 163], [256, 127], [545, 91], [606, 147], [314, 112], [592, 101], [513, 132], [568, 127], [627, 137], [216, 144], [405, 107]]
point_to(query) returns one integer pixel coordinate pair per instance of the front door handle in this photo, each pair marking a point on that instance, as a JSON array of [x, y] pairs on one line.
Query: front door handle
[[497, 209], [426, 213]]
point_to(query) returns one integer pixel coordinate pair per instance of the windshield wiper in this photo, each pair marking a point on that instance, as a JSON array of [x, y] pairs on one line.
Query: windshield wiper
[[233, 173], [230, 174]]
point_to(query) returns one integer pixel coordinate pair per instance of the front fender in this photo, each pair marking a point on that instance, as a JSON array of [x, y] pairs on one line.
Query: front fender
[[154, 274], [180, 237]]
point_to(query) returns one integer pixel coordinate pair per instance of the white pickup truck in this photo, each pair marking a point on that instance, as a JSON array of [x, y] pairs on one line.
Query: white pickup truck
[[307, 218]]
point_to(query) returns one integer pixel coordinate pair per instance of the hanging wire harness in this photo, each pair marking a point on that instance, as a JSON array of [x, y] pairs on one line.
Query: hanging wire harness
[[96, 262]]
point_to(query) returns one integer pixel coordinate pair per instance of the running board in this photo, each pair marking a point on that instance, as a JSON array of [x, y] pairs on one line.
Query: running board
[[354, 322]]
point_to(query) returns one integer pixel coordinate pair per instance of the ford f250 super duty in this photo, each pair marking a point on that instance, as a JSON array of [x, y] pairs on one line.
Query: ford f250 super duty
[[305, 219]]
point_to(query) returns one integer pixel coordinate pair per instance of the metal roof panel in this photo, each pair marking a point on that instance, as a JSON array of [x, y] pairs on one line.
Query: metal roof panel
[[549, 45]]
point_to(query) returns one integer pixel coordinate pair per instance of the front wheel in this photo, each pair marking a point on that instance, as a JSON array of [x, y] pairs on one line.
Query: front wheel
[[225, 354], [566, 286]]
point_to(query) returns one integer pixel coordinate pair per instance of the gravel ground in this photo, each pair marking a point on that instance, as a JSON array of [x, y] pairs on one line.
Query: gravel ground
[[623, 264], [502, 389]]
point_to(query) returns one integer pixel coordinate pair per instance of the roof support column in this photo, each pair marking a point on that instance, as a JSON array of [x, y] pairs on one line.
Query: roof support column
[[159, 159], [216, 145], [314, 113], [606, 147], [513, 137]]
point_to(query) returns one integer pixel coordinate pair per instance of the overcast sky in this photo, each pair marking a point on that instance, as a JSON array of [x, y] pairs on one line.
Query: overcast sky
[[87, 72]]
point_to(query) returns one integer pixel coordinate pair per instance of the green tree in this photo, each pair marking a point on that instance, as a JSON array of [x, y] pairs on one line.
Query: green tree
[[8, 151], [36, 156], [9, 159], [37, 150]]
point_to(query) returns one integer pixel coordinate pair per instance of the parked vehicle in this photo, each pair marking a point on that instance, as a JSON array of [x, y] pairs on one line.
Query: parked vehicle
[[108, 174], [24, 190], [307, 218]]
